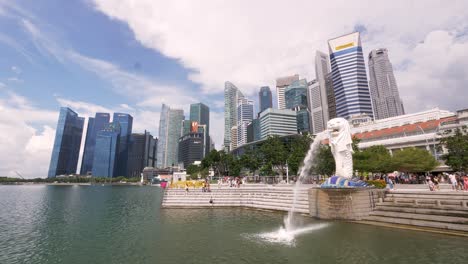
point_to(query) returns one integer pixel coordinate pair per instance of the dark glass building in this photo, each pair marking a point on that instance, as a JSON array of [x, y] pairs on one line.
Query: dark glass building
[[296, 99], [126, 122], [265, 98], [191, 148], [142, 153], [253, 131], [67, 143], [95, 125], [200, 113], [106, 151]]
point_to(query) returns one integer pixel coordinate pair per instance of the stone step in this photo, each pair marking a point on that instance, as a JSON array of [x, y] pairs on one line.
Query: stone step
[[222, 200], [424, 206], [239, 202], [411, 216], [427, 196], [436, 202], [415, 222], [427, 211]]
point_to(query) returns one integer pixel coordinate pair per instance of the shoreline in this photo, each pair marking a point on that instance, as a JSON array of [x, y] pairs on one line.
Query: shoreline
[[74, 183]]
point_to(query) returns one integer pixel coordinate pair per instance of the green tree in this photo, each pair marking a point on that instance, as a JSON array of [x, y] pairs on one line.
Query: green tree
[[325, 163], [193, 171], [251, 160], [457, 147], [378, 159], [275, 153], [297, 151], [414, 160]]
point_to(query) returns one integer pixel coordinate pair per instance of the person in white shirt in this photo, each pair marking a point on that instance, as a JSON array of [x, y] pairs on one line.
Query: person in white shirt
[[453, 181]]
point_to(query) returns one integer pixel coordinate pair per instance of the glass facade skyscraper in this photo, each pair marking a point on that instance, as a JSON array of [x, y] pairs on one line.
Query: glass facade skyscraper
[[384, 91], [95, 125], [349, 76], [162, 141], [265, 98], [281, 85], [171, 127], [106, 151], [296, 99], [231, 95], [142, 153], [126, 122], [244, 117], [200, 113], [66, 149]]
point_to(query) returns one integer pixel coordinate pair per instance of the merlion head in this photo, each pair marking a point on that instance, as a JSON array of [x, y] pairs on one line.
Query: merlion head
[[340, 133]]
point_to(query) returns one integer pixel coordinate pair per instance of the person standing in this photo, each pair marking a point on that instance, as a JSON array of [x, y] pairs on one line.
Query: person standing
[[453, 181]]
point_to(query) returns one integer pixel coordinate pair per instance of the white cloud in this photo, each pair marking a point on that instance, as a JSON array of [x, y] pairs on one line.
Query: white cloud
[[15, 80], [252, 42], [23, 147], [16, 69]]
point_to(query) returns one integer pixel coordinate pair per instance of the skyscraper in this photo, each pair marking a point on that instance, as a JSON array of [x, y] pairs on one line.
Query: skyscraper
[[296, 99], [171, 127], [275, 122], [265, 98], [318, 102], [281, 84], [126, 123], [383, 88], [95, 125], [231, 95], [106, 151], [191, 145], [162, 142], [200, 113], [67, 143], [141, 154], [244, 117], [349, 76], [330, 96]]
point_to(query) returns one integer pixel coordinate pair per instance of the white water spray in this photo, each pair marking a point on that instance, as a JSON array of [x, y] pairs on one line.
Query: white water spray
[[309, 161]]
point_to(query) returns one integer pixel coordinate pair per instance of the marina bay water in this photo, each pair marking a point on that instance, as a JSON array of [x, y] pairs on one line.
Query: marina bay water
[[124, 224]]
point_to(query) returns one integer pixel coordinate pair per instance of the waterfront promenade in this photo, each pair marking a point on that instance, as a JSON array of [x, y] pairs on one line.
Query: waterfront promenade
[[410, 206]]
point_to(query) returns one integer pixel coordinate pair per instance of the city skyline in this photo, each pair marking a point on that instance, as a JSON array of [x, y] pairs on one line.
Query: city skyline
[[47, 65]]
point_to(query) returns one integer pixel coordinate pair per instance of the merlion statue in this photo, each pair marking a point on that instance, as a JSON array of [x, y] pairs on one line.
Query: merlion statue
[[341, 146]]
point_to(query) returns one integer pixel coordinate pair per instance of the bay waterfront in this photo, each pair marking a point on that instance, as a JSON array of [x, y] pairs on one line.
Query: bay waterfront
[[124, 224]]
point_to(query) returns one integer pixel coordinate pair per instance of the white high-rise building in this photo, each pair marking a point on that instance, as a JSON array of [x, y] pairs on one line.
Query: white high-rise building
[[281, 85], [245, 109], [318, 101], [277, 122], [170, 130], [233, 144], [386, 99], [231, 96]]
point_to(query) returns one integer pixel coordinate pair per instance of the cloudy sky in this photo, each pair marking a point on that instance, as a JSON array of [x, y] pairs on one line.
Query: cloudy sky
[[131, 56]]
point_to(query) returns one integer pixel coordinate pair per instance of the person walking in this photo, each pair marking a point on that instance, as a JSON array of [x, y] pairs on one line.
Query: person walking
[[465, 183], [453, 181]]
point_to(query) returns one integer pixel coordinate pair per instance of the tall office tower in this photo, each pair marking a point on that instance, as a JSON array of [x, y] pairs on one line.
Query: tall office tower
[[281, 84], [265, 98], [141, 154], [66, 149], [106, 152], [231, 95], [192, 145], [162, 142], [383, 88], [126, 123], [200, 113], [318, 94], [245, 108], [253, 131], [275, 122], [296, 99], [95, 125], [330, 96], [349, 76], [234, 134], [174, 132]]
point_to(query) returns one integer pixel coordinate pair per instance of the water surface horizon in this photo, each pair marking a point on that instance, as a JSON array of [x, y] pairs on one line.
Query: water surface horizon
[[124, 224]]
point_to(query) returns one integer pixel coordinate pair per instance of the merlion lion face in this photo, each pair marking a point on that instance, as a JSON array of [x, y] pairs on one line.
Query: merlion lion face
[[337, 126]]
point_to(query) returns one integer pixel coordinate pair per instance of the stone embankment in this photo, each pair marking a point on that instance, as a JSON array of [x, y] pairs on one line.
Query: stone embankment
[[445, 210], [279, 198]]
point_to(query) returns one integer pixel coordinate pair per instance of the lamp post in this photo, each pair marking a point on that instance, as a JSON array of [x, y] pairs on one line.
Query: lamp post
[[433, 141], [287, 173]]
